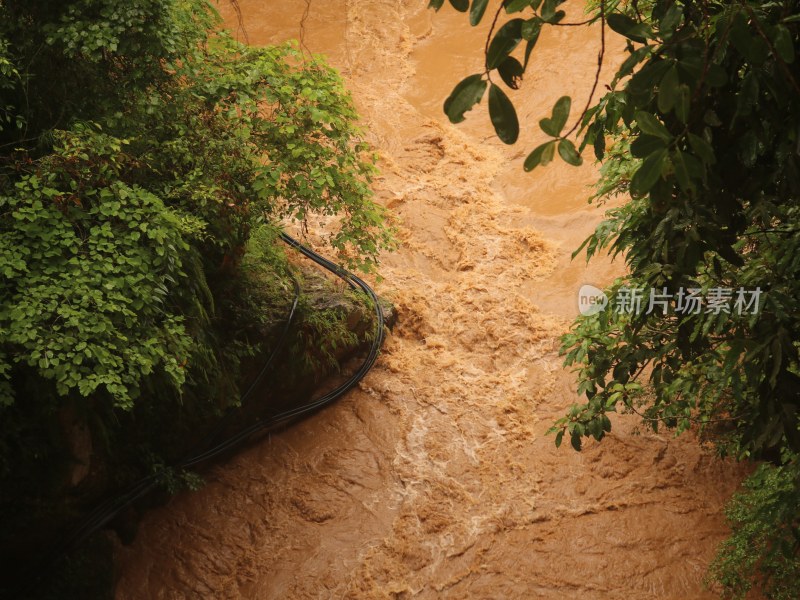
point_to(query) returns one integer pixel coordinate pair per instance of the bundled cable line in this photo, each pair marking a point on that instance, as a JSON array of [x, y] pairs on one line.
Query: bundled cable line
[[105, 512]]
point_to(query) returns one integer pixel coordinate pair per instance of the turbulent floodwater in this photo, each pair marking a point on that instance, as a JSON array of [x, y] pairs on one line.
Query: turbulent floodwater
[[435, 479]]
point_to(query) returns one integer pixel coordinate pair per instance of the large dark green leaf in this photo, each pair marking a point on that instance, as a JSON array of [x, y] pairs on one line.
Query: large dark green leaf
[[464, 96], [649, 76], [682, 171], [477, 10], [644, 145], [567, 151], [541, 155], [554, 124], [668, 90], [634, 59], [460, 5], [511, 72], [648, 173], [650, 125], [549, 13], [505, 40], [624, 25], [747, 42], [702, 148], [530, 32], [503, 115]]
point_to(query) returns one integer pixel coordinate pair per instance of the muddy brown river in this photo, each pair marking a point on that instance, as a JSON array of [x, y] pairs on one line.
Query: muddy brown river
[[435, 478]]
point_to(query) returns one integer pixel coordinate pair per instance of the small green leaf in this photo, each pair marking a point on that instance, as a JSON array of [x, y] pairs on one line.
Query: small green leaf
[[711, 118], [575, 440], [668, 90], [606, 423], [702, 148], [531, 29], [559, 437], [541, 155], [503, 115], [567, 151], [648, 173], [634, 59], [477, 10], [504, 42], [511, 72], [672, 17], [554, 124], [460, 5], [435, 4], [681, 172], [548, 12], [650, 125], [532, 32], [748, 95], [683, 102], [464, 96], [517, 5], [599, 143]]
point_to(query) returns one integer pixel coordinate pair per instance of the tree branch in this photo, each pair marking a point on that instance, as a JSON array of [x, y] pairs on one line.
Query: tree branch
[[600, 56]]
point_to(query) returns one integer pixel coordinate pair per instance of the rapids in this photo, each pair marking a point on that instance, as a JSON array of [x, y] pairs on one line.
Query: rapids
[[435, 479]]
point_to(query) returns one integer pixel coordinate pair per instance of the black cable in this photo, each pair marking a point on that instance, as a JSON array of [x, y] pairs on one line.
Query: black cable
[[105, 512]]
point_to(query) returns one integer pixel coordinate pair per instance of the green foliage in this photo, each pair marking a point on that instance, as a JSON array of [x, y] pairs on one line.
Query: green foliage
[[88, 261], [320, 334], [763, 546], [98, 230], [147, 161]]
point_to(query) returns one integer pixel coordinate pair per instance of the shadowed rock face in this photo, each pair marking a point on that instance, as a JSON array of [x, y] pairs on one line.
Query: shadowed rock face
[[435, 479]]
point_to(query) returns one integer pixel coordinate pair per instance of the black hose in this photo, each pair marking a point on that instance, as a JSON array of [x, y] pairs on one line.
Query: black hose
[[106, 511]]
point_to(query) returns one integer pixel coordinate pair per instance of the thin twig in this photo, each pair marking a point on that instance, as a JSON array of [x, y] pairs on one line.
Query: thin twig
[[684, 417], [489, 39], [579, 24], [600, 56], [303, 19], [240, 20]]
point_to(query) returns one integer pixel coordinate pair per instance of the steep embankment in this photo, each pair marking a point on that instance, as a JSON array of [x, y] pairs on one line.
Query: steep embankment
[[435, 479]]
